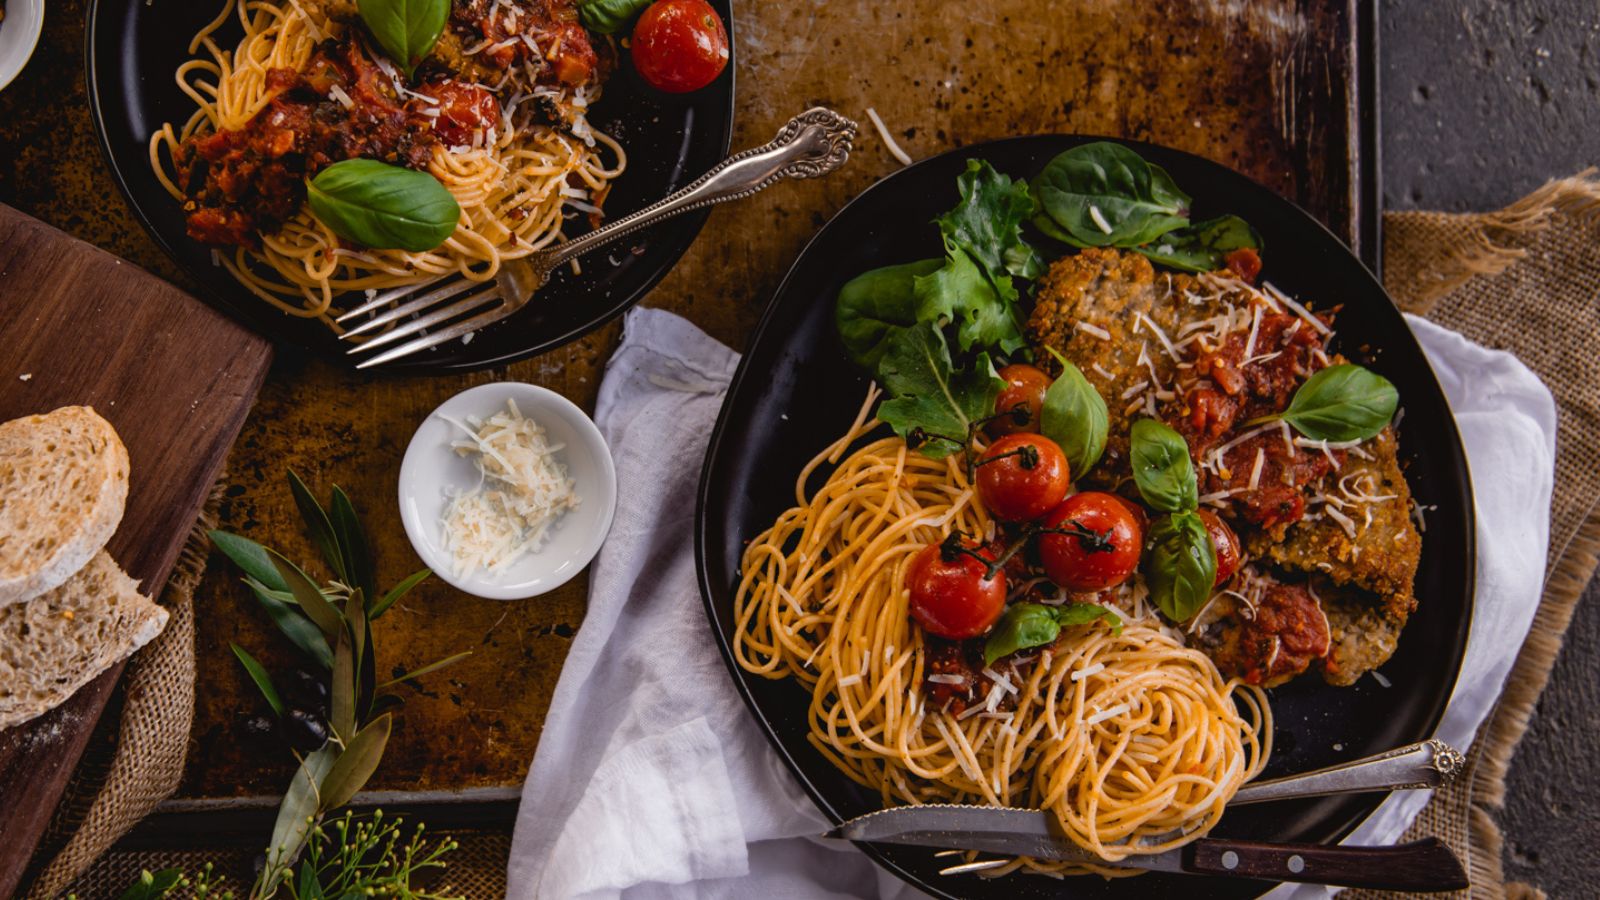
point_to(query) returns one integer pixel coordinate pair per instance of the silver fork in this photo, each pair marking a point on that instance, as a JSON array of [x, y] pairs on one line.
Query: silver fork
[[809, 145]]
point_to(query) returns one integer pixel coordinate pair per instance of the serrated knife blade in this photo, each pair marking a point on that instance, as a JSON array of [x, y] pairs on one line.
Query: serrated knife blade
[[1424, 866]]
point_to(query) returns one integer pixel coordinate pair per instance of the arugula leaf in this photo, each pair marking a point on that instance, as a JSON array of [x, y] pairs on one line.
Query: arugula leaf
[[1180, 565], [875, 306], [1027, 625], [1342, 403], [1074, 415], [987, 223], [1105, 195], [926, 392], [1203, 246], [984, 312], [1162, 469]]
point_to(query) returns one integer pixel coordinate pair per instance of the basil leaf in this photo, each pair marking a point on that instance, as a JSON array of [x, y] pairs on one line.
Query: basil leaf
[[1074, 415], [1180, 565], [1027, 625], [984, 311], [1342, 403], [1103, 195], [1203, 246], [927, 393], [1161, 467], [405, 29], [609, 16], [382, 206], [876, 306], [987, 223]]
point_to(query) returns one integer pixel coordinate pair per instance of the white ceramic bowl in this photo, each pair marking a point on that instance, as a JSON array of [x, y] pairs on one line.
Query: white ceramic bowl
[[430, 465], [19, 34]]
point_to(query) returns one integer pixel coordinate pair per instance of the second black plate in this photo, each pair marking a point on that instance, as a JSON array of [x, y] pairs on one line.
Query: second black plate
[[134, 49], [795, 392]]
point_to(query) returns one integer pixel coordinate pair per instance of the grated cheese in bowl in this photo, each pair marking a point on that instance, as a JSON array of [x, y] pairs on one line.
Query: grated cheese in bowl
[[522, 491]]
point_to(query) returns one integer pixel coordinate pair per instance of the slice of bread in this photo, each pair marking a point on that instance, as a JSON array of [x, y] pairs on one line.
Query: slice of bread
[[59, 641], [63, 483]]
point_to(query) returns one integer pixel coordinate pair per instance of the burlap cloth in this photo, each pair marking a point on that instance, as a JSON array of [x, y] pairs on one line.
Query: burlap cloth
[[1524, 279]]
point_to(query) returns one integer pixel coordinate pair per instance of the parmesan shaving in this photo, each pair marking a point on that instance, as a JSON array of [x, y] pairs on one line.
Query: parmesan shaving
[[522, 491], [1099, 219], [1105, 714], [946, 679], [888, 139], [1096, 330]]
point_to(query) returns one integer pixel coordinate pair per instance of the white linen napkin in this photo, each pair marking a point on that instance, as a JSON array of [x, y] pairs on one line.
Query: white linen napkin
[[652, 781]]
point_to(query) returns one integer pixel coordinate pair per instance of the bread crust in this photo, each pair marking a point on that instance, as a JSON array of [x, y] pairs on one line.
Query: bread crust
[[63, 488]]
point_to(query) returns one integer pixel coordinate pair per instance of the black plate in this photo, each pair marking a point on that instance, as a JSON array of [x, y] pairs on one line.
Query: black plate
[[134, 47], [795, 392]]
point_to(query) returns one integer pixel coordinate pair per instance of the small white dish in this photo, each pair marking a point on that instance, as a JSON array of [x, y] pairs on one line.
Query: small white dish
[[430, 465], [19, 35]]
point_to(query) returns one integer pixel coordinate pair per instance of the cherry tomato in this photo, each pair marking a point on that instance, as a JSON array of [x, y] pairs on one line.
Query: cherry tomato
[[679, 45], [1023, 476], [952, 593], [1100, 548], [1025, 385], [1226, 542]]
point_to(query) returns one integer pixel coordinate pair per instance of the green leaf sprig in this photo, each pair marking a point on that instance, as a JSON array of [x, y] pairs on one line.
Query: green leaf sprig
[[929, 397], [1027, 625], [1340, 403], [1103, 194], [1180, 561], [405, 29], [383, 207], [1074, 415], [332, 625], [902, 322]]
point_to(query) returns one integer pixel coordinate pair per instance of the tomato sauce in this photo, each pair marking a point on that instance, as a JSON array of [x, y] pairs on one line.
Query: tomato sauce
[[252, 179], [1287, 633], [1240, 389], [551, 25]]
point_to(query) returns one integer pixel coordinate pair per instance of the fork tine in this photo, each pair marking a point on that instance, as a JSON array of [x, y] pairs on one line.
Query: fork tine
[[438, 337], [438, 316], [420, 304], [384, 298]]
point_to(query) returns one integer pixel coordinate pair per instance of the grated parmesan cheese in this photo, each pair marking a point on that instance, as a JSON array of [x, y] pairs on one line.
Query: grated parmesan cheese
[[522, 491]]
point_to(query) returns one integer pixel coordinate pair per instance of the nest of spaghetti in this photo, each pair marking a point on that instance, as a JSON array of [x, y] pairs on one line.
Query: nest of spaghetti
[[496, 112], [1134, 741]]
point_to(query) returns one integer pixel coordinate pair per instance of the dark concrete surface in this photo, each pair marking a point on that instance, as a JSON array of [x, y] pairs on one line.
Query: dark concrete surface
[[1483, 100]]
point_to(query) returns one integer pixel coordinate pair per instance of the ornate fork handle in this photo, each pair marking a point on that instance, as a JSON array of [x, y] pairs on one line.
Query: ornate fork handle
[[809, 145], [1429, 764]]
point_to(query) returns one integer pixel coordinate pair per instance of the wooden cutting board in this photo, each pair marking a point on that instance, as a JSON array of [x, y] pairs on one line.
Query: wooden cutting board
[[80, 326]]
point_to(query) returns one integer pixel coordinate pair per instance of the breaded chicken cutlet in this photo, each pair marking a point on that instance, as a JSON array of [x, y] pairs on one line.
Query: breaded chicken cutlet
[[1327, 527]]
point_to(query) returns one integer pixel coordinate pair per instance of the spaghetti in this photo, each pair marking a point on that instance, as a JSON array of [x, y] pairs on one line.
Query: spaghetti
[[1134, 742], [535, 163]]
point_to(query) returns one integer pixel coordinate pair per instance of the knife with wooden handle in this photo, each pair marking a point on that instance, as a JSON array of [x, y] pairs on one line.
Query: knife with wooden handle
[[1424, 866]]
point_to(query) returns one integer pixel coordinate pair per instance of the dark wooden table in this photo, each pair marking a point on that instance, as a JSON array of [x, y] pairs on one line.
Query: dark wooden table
[[1269, 88]]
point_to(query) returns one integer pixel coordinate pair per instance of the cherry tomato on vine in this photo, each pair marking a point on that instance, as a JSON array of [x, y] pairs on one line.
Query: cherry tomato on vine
[[1022, 476], [953, 595], [1226, 542], [1025, 385], [1095, 543], [679, 45]]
